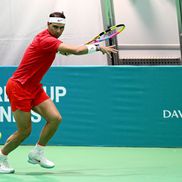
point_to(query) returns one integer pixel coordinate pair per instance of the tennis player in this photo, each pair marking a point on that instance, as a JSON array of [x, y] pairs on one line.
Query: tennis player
[[25, 91]]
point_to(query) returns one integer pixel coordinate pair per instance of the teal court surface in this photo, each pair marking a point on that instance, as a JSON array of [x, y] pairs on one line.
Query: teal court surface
[[99, 164]]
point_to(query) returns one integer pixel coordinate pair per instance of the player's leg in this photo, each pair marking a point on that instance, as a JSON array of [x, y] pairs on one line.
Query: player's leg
[[23, 130], [23, 122], [53, 118], [49, 112], [20, 101]]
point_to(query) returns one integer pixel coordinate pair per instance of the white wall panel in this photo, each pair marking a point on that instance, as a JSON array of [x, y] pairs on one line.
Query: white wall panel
[[21, 20], [149, 24]]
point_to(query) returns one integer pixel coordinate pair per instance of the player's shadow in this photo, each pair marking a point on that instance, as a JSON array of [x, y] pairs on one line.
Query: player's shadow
[[53, 173], [69, 173], [87, 172]]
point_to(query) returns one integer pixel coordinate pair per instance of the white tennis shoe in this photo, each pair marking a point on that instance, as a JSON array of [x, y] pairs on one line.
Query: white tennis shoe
[[4, 165], [37, 157]]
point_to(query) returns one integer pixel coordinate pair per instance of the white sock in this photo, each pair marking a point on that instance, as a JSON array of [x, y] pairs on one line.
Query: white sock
[[2, 155], [39, 147]]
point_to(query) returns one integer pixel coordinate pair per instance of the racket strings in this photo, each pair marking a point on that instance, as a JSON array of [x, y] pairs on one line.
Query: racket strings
[[109, 33]]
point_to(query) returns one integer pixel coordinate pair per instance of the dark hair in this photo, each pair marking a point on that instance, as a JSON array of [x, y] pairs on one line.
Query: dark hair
[[57, 14]]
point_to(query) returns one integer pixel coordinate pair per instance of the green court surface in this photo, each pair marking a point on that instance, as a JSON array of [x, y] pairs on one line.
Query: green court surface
[[99, 164]]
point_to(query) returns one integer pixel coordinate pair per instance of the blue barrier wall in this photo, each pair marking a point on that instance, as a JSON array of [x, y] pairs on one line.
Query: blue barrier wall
[[108, 106]]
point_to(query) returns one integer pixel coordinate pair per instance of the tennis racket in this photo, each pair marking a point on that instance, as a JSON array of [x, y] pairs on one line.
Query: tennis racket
[[107, 34]]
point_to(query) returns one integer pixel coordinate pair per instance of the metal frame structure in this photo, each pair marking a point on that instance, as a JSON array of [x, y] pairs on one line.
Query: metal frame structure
[[109, 20], [108, 14]]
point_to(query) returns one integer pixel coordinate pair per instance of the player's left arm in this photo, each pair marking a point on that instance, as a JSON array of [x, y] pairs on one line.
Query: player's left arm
[[72, 49], [66, 49]]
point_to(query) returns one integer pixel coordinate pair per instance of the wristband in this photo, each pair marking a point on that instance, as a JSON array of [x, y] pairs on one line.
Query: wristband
[[93, 48]]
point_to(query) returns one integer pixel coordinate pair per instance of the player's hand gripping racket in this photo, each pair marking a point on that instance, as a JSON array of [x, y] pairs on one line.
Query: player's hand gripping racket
[[107, 34]]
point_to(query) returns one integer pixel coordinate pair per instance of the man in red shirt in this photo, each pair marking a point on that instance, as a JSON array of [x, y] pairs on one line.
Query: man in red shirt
[[25, 91]]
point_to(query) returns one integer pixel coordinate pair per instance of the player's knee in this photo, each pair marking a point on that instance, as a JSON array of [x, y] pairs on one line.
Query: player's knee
[[57, 119], [28, 131], [25, 132]]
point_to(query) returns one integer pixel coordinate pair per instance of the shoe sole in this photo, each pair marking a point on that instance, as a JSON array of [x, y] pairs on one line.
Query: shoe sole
[[5, 172], [37, 162]]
